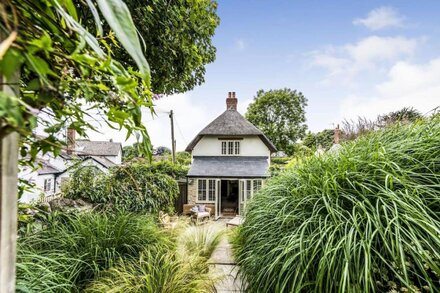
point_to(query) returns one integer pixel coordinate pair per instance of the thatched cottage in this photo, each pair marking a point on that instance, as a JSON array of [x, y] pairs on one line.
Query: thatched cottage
[[230, 162]]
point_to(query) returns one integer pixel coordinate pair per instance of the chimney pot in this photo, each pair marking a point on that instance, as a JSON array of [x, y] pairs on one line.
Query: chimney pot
[[231, 101]]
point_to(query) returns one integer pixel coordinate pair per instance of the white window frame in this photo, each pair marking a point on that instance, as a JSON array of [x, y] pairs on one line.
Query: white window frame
[[230, 147], [247, 191], [224, 147], [47, 184], [203, 194]]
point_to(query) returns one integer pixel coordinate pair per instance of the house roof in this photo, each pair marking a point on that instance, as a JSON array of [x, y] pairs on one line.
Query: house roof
[[97, 148], [48, 169], [230, 123], [103, 161], [229, 166]]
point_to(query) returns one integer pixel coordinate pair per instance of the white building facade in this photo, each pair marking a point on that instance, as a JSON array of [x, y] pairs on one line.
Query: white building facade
[[230, 162], [54, 171]]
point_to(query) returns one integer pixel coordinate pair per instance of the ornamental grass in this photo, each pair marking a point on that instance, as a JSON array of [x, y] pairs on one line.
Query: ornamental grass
[[366, 219]]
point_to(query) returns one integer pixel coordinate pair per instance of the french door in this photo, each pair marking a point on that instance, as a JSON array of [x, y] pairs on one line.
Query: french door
[[245, 192], [218, 199]]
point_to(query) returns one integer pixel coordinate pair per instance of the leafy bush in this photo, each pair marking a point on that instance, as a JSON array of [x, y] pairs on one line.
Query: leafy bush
[[74, 248], [366, 219], [156, 271], [132, 187], [167, 167]]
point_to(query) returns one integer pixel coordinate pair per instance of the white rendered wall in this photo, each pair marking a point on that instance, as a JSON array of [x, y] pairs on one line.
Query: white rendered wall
[[116, 159], [249, 146]]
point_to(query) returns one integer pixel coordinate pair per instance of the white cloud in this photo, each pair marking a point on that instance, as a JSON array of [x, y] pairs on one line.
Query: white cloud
[[190, 118], [345, 62], [407, 85], [240, 45], [380, 18]]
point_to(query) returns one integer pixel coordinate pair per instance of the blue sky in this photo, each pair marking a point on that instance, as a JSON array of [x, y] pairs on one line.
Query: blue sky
[[349, 58]]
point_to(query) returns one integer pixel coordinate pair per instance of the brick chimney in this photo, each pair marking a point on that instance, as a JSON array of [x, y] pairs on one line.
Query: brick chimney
[[231, 102], [337, 135], [70, 140]]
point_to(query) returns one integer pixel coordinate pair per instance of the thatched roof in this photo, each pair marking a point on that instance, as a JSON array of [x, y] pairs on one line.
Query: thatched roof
[[230, 123]]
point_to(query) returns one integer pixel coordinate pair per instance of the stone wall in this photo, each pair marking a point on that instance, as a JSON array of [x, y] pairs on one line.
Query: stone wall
[[192, 191]]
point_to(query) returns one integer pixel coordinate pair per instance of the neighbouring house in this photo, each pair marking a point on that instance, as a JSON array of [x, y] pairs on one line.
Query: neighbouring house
[[230, 162], [54, 171]]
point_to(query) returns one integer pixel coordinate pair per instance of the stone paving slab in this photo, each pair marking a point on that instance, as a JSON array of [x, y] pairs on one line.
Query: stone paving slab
[[223, 267]]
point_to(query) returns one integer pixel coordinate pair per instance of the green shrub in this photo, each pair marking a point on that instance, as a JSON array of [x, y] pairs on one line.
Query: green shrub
[[366, 219], [74, 248], [156, 271], [132, 187]]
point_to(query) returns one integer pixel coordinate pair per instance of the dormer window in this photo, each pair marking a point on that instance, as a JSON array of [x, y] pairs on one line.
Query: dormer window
[[230, 147]]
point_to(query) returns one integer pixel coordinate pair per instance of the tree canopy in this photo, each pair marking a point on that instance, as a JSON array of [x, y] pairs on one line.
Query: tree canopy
[[322, 139], [66, 72], [177, 40], [280, 114]]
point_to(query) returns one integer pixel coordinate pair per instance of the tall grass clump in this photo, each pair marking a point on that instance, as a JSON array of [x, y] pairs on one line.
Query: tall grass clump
[[74, 248], [179, 270], [199, 240], [156, 271], [364, 220]]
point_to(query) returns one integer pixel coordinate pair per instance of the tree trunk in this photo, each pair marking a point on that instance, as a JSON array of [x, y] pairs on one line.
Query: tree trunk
[[8, 198]]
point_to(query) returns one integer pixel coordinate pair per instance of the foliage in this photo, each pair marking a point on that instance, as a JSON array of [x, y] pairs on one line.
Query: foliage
[[362, 126], [177, 40], [156, 271], [280, 114], [176, 171], [130, 152], [365, 219], [162, 151], [322, 139], [200, 240], [131, 187], [403, 115], [74, 248], [183, 158], [66, 73], [45, 272]]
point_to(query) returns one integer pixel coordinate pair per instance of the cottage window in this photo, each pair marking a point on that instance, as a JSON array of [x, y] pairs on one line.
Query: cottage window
[[47, 184], [211, 190], [257, 185], [206, 190], [237, 147], [223, 147], [248, 189], [230, 147]]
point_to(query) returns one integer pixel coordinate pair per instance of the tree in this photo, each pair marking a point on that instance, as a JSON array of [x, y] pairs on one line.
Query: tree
[[403, 115], [177, 40], [66, 72], [323, 138], [162, 151], [280, 115]]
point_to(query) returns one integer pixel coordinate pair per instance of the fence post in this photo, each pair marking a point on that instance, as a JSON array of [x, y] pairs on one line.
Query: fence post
[[8, 196]]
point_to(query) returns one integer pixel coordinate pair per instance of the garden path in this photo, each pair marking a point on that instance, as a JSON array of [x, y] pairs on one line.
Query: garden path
[[224, 267]]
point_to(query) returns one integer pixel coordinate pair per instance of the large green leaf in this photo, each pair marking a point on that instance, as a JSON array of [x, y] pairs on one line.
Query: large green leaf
[[119, 18]]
